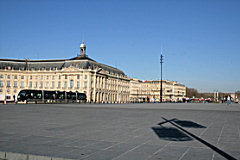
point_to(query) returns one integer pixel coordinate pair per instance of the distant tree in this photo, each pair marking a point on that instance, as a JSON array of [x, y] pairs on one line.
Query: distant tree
[[192, 92], [207, 95]]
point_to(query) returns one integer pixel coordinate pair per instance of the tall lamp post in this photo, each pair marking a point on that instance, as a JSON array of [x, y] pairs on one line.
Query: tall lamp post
[[161, 62]]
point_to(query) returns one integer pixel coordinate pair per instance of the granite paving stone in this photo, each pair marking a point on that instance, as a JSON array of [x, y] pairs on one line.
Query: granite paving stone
[[148, 149], [101, 145], [121, 147], [81, 143], [120, 131], [169, 153], [132, 155], [50, 151], [78, 153], [103, 155], [235, 146], [199, 153]]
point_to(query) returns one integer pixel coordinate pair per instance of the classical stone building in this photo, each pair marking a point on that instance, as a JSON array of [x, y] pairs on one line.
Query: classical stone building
[[150, 91], [101, 83]]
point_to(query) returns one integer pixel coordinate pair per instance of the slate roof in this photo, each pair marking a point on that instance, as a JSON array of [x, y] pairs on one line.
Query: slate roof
[[78, 62]]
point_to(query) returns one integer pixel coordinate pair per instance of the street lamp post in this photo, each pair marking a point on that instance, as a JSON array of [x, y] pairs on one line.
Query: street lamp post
[[161, 62]]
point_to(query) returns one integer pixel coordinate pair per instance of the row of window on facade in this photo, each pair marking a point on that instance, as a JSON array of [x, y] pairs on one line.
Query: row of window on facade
[[41, 77], [8, 90], [55, 68], [47, 85], [15, 84], [136, 90], [9, 76], [111, 84], [47, 77]]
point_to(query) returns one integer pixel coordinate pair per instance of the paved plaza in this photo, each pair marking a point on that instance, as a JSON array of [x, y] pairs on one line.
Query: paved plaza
[[120, 131]]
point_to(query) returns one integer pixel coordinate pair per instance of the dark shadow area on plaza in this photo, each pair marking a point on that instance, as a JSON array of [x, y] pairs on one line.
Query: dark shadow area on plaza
[[171, 134], [174, 134], [188, 124], [177, 133], [184, 123]]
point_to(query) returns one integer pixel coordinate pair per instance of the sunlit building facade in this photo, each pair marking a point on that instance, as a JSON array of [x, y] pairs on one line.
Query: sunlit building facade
[[101, 83], [149, 91]]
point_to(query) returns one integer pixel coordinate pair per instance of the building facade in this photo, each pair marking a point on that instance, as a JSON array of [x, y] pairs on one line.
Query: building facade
[[149, 91], [101, 83]]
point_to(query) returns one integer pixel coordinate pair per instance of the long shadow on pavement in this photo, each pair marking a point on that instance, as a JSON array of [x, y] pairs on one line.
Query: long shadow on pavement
[[180, 134], [183, 123], [171, 134]]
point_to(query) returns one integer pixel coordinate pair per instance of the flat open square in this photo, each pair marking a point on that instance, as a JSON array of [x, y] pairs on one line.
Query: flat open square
[[120, 132]]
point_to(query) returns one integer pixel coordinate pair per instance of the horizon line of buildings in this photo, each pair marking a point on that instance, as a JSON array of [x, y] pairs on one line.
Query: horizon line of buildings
[[101, 83]]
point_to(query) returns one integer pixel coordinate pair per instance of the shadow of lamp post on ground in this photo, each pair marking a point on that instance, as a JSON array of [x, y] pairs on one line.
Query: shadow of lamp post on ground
[[177, 133]]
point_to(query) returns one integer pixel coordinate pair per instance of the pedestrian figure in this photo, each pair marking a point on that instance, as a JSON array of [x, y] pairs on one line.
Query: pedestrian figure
[[228, 100]]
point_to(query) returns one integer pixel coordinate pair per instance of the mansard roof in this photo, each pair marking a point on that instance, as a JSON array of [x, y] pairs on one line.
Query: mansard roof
[[83, 62]]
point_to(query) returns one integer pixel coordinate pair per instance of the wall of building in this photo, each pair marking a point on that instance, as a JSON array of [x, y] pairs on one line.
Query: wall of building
[[100, 83], [99, 87], [150, 91]]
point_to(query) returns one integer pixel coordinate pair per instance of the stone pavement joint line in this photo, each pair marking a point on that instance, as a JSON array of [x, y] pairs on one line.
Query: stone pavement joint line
[[220, 135], [184, 153], [130, 150]]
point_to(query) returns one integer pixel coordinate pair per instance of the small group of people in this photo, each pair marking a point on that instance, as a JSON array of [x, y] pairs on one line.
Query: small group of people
[[228, 100]]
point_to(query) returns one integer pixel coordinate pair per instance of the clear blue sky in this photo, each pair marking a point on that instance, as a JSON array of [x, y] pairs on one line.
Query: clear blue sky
[[200, 38]]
